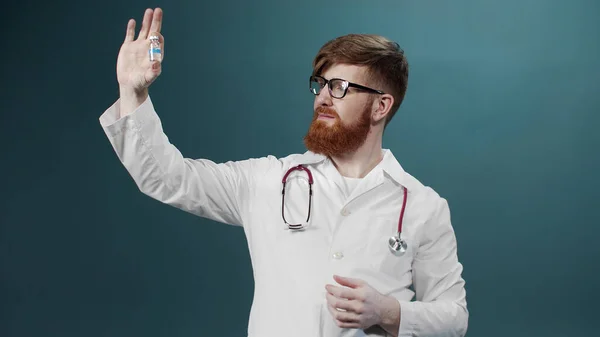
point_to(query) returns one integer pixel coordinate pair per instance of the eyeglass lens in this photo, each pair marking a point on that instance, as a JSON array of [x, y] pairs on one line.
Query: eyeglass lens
[[337, 88]]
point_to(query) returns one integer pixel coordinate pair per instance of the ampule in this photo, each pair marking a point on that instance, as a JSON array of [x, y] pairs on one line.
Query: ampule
[[154, 51]]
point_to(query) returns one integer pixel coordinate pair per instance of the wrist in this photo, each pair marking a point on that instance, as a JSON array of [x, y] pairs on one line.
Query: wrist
[[131, 99], [133, 94], [390, 315]]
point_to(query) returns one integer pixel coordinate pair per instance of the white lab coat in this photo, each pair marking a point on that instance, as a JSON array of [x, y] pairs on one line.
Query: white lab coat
[[347, 234]]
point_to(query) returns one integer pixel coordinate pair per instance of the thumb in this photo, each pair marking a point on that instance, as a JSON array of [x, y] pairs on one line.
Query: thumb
[[152, 73], [348, 282]]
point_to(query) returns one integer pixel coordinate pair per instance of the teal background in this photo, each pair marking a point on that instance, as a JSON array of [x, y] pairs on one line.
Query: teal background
[[501, 118]]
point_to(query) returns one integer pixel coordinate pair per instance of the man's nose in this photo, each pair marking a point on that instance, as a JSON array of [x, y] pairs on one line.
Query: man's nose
[[324, 97]]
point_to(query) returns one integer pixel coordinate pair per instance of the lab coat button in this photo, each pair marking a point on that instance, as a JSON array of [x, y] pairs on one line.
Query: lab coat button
[[345, 211], [338, 255]]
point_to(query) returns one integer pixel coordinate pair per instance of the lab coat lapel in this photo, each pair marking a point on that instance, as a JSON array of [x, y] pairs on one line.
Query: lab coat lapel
[[332, 173], [388, 165], [329, 169], [372, 180]]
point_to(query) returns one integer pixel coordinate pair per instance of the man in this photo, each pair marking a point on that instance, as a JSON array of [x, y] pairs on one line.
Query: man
[[320, 252]]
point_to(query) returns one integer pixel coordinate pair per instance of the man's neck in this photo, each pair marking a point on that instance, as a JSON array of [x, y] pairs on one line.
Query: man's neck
[[358, 164]]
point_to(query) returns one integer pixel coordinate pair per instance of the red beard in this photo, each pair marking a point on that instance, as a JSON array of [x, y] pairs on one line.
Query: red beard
[[337, 139]]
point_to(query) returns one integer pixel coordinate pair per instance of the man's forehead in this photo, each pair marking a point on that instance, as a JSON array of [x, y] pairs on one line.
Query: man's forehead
[[352, 73]]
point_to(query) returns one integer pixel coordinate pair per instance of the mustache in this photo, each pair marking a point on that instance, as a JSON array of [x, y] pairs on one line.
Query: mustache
[[326, 111]]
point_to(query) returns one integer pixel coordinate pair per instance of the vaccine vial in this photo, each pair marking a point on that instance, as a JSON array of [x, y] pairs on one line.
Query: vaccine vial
[[154, 51]]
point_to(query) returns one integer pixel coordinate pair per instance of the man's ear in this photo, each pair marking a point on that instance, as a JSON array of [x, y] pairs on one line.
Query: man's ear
[[382, 106]]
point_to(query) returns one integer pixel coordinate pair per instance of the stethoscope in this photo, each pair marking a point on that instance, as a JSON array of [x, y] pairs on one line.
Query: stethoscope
[[396, 243]]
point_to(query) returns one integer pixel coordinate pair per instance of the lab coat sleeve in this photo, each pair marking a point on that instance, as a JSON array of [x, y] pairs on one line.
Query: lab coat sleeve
[[440, 308], [219, 192]]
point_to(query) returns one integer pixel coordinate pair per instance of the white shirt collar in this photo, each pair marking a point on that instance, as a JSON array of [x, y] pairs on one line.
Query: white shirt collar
[[388, 166]]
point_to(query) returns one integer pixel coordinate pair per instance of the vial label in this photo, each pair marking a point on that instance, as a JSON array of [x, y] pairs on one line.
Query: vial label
[[155, 54]]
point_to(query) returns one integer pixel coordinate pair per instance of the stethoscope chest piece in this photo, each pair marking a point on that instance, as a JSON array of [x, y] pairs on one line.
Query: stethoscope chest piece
[[397, 245]]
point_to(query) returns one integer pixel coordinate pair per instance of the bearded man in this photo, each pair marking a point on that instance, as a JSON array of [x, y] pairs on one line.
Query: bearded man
[[343, 241]]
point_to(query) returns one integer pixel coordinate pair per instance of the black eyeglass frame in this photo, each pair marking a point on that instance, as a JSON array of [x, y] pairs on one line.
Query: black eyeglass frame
[[346, 85]]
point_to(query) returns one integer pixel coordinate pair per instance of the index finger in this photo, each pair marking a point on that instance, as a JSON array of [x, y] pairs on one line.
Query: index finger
[[157, 20], [130, 33], [346, 293]]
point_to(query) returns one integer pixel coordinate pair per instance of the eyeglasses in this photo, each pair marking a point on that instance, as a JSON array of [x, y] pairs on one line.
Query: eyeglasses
[[337, 86]]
